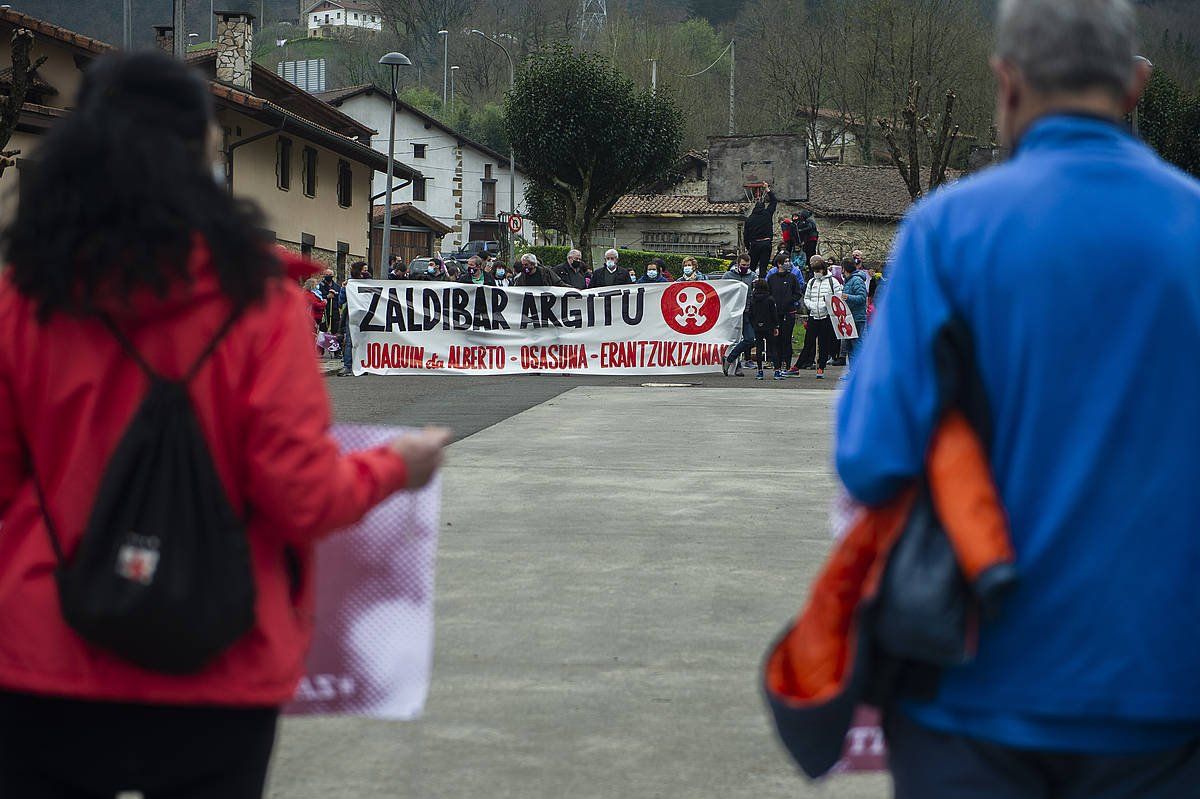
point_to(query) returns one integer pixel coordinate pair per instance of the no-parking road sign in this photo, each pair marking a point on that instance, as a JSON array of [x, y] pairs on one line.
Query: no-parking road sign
[[515, 223]]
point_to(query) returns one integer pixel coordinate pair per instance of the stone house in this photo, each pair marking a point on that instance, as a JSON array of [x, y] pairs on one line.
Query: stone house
[[856, 207], [307, 165]]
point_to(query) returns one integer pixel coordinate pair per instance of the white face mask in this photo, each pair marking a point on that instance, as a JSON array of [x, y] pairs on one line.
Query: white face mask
[[651, 273], [687, 270], [611, 264]]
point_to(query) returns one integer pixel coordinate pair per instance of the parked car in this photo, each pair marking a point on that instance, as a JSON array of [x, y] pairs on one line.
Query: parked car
[[418, 266], [472, 248]]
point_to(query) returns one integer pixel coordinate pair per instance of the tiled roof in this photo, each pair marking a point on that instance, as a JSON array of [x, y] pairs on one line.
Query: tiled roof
[[412, 212], [872, 193], [55, 32], [673, 205]]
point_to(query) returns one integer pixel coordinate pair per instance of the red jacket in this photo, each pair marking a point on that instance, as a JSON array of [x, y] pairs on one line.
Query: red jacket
[[67, 393], [317, 306]]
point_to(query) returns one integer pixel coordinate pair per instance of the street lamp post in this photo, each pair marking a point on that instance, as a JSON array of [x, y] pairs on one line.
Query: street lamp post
[[394, 61], [453, 76], [445, 64], [512, 156]]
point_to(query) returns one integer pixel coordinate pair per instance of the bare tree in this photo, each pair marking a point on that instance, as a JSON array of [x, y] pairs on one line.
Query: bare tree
[[919, 136], [23, 71]]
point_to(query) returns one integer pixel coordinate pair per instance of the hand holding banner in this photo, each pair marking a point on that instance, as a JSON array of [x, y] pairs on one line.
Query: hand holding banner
[[844, 326]]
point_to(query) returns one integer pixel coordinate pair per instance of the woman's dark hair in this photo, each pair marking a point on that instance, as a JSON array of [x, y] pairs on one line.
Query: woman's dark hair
[[119, 190], [780, 259], [760, 287]]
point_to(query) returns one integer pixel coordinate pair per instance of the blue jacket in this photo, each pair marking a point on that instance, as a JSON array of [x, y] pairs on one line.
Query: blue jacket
[[1097, 649], [648, 279], [856, 297]]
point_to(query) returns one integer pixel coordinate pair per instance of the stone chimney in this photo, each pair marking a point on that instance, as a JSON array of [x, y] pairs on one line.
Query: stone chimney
[[164, 38], [235, 48]]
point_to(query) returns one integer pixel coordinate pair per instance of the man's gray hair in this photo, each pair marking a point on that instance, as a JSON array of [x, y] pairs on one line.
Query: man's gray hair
[[1069, 45], [529, 258], [612, 252]]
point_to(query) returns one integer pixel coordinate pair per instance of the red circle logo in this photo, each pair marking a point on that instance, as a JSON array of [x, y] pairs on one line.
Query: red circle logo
[[691, 308]]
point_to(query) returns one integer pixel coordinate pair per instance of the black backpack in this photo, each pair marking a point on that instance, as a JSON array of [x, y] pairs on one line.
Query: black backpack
[[162, 575]]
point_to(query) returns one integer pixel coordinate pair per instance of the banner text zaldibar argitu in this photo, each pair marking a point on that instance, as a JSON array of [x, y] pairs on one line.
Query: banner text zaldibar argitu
[[483, 307]]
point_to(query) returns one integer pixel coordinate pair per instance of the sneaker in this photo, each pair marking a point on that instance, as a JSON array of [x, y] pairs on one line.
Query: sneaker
[[738, 372], [792, 372], [820, 374], [759, 376], [838, 361], [345, 373], [778, 374], [725, 368]]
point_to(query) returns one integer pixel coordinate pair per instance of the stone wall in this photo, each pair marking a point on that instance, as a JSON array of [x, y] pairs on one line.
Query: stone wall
[[235, 43]]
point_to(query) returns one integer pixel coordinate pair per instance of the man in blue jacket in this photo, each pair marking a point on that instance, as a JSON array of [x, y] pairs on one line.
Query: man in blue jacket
[[1088, 682]]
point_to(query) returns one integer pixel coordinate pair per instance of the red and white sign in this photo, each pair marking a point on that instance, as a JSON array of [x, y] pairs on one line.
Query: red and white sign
[[843, 321], [402, 327], [515, 223], [372, 652]]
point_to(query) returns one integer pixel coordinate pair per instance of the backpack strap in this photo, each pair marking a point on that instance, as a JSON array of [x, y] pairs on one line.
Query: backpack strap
[[51, 529], [133, 353]]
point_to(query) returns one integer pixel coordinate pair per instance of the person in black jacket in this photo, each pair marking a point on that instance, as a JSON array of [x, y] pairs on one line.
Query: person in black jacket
[[764, 318], [788, 294], [611, 274], [759, 230], [532, 273], [573, 271], [807, 234]]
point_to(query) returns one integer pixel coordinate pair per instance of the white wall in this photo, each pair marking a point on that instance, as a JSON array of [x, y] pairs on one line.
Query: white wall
[[338, 16], [438, 167]]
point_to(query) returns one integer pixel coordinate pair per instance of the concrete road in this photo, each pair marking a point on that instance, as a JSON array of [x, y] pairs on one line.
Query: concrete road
[[614, 561]]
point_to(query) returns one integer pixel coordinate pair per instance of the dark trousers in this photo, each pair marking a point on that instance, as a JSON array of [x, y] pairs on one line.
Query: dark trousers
[[66, 749], [783, 342], [744, 345], [931, 765], [810, 249], [808, 353], [761, 340], [760, 257], [824, 342]]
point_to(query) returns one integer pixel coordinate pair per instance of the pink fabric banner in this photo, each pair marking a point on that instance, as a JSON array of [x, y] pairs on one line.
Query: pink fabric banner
[[372, 653]]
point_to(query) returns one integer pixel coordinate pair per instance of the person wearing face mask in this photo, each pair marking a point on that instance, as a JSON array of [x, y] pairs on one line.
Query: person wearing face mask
[[501, 276], [534, 274], [788, 292], [855, 294], [611, 274], [572, 272], [740, 272], [654, 272], [475, 274], [817, 297], [691, 271]]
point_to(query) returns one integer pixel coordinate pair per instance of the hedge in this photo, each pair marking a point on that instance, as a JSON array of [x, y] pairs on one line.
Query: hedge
[[633, 259]]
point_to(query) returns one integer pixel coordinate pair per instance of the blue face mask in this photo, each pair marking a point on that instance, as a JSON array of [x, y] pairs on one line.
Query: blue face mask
[[432, 269], [652, 273], [500, 273]]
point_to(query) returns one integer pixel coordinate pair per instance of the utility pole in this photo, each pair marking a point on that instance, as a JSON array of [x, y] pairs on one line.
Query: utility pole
[[653, 77], [732, 63], [180, 23], [128, 32]]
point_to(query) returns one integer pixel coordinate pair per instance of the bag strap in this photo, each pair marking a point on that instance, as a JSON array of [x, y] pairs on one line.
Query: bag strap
[[133, 353], [51, 529]]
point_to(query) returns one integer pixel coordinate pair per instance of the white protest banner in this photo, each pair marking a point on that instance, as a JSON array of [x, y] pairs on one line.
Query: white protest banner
[[372, 652], [843, 321], [410, 327]]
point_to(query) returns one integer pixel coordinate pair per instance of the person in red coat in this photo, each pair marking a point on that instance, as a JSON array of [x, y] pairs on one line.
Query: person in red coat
[[121, 216], [316, 303]]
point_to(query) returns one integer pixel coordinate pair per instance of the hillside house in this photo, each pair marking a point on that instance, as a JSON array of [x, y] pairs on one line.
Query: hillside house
[[331, 17]]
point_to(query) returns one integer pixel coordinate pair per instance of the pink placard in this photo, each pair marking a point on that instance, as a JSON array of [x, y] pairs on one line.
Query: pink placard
[[372, 652]]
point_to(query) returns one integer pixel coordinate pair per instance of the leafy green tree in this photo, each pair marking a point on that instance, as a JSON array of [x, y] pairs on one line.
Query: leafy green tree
[[1168, 118], [585, 136]]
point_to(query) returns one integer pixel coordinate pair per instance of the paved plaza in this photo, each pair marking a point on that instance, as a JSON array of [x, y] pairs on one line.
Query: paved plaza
[[614, 561]]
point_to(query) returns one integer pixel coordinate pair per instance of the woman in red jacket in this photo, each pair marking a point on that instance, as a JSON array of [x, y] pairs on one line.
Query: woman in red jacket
[[121, 216]]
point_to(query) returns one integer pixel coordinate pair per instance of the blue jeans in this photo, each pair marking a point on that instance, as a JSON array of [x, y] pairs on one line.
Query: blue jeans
[[745, 344], [347, 351]]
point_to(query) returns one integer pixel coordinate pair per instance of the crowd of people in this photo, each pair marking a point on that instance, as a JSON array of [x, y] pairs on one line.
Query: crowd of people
[[796, 289], [799, 290]]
